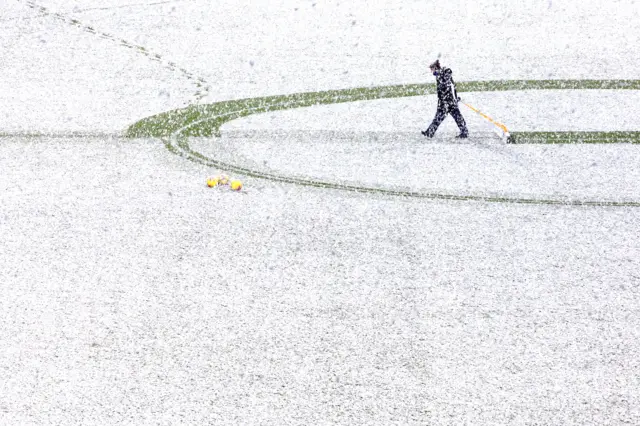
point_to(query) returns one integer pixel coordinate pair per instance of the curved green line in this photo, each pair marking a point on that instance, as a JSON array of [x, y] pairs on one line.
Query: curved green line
[[218, 113], [174, 127]]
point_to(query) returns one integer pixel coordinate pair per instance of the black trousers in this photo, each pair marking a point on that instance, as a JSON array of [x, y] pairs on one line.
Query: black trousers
[[441, 114]]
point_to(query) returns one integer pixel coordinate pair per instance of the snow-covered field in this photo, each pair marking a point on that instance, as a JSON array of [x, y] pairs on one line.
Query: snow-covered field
[[134, 294]]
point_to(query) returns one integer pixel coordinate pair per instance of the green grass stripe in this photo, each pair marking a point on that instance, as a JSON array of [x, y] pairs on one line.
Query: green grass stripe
[[212, 116], [574, 137], [502, 85]]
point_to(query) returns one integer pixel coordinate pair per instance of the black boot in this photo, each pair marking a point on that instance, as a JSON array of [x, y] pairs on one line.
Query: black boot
[[462, 136]]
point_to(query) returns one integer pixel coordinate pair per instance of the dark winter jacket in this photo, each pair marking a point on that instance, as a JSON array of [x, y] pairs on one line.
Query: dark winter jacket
[[446, 87]]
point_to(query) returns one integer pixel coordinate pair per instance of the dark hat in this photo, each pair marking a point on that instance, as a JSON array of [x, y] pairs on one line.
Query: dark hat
[[436, 64]]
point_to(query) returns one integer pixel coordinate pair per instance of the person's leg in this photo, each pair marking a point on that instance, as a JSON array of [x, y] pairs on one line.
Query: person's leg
[[441, 114], [457, 115]]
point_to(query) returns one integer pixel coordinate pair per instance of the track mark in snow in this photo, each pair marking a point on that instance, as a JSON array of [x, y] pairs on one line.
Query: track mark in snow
[[202, 87], [178, 144], [23, 18], [127, 5]]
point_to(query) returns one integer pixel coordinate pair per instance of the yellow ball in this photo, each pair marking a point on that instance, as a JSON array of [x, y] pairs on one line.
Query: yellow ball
[[236, 185], [212, 181]]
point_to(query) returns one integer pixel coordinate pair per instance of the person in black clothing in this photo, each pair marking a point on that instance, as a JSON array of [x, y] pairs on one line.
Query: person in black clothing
[[447, 101]]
